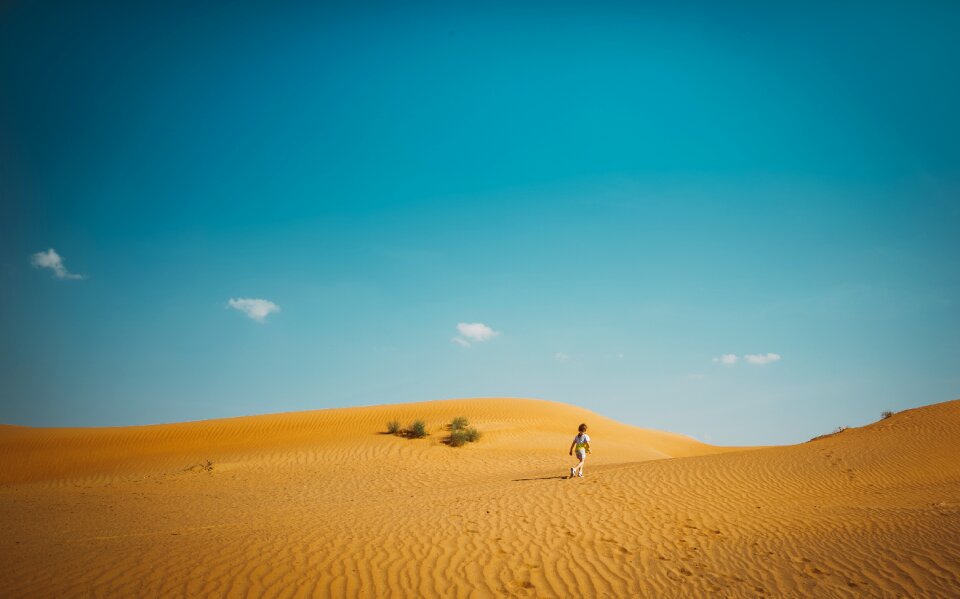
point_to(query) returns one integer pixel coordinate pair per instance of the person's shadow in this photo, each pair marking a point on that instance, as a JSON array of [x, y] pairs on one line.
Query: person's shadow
[[518, 480]]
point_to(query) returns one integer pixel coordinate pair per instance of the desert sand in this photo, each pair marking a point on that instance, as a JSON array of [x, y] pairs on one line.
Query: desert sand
[[324, 503]]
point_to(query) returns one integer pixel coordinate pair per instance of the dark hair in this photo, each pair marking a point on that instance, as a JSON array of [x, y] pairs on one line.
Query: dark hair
[[582, 428]]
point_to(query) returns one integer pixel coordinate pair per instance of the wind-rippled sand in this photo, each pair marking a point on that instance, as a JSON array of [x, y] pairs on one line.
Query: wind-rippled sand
[[324, 503]]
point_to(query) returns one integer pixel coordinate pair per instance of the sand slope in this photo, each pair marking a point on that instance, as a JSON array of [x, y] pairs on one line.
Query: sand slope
[[323, 504]]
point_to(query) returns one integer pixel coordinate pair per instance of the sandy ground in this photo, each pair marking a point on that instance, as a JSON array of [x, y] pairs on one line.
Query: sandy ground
[[324, 503]]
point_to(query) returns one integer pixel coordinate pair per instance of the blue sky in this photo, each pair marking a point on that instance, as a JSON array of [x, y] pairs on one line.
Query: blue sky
[[622, 193]]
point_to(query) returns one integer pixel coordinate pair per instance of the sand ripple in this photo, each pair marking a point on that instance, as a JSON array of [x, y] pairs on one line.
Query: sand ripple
[[323, 504]]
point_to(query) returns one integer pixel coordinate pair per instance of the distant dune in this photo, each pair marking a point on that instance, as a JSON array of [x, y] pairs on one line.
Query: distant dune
[[325, 503]]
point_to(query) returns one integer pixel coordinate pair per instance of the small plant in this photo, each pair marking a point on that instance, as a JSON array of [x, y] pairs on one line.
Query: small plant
[[461, 433], [472, 434], [836, 431], [457, 438], [885, 415], [207, 466], [417, 430], [393, 427]]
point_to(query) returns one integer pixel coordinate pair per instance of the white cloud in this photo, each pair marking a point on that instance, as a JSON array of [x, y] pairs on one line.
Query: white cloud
[[476, 331], [761, 359], [257, 309], [52, 260], [460, 341], [726, 359], [561, 357]]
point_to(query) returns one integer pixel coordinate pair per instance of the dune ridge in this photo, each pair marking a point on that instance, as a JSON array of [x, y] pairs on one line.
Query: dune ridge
[[323, 503], [36, 454]]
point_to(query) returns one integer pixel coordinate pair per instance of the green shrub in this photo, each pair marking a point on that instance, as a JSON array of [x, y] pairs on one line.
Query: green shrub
[[459, 423], [417, 430], [458, 438], [393, 427]]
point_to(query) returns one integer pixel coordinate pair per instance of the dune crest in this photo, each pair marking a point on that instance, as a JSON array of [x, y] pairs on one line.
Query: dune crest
[[323, 503], [534, 426]]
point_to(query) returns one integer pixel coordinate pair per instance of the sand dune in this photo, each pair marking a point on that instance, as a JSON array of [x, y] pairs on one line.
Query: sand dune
[[323, 503]]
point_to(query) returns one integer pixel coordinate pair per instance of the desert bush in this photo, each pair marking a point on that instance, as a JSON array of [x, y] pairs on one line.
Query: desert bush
[[393, 427], [836, 431], [457, 438], [417, 430], [885, 415], [461, 434]]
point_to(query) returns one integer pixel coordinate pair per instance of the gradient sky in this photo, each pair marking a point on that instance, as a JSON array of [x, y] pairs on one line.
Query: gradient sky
[[623, 193]]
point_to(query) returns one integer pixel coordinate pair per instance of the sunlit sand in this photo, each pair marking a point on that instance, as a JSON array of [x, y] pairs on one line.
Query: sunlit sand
[[325, 503]]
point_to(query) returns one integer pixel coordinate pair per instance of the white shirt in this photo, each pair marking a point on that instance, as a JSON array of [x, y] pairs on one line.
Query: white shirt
[[580, 439]]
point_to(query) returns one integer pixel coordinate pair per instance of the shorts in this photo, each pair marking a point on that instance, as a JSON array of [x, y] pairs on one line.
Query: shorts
[[581, 454]]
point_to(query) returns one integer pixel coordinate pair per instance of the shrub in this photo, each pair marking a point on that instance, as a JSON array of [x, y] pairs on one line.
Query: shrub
[[885, 415], [461, 434], [417, 430], [393, 427], [458, 438], [836, 431], [459, 423]]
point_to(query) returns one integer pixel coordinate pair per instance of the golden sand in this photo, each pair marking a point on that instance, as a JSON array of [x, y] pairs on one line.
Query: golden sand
[[324, 503]]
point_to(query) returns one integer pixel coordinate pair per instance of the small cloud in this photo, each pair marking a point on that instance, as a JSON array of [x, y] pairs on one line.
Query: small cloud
[[476, 331], [52, 260], [561, 357], [761, 359], [257, 309], [460, 341], [726, 359]]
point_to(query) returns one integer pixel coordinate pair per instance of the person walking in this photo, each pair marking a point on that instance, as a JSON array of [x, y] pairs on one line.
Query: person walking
[[581, 443]]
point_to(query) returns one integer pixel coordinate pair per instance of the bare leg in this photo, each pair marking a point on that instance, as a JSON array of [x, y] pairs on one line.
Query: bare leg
[[580, 464]]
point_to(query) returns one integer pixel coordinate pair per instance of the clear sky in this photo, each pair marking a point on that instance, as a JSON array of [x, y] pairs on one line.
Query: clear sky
[[621, 195]]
